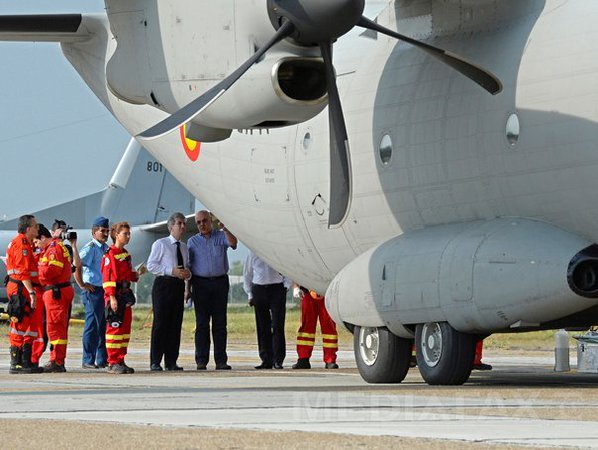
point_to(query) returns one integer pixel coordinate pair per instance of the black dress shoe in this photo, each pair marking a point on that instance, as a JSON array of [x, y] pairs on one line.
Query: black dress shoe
[[263, 366], [482, 366], [156, 368], [223, 367], [175, 367], [278, 366], [331, 365], [302, 363], [202, 367]]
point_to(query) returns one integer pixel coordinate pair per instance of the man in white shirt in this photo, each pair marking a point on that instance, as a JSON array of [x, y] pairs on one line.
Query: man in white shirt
[[168, 260], [267, 291]]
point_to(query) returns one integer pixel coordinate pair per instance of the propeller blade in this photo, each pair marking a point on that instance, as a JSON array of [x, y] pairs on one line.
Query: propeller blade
[[188, 112], [481, 76], [340, 162]]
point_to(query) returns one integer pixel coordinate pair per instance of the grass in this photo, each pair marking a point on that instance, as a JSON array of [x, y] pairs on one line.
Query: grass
[[241, 330]]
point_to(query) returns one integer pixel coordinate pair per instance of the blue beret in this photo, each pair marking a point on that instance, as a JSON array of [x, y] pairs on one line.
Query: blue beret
[[100, 222]]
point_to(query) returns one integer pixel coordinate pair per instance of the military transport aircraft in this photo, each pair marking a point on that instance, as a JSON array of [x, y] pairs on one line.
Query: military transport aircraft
[[448, 192], [141, 192]]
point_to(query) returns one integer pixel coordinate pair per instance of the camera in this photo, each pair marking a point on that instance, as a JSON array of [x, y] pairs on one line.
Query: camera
[[68, 234]]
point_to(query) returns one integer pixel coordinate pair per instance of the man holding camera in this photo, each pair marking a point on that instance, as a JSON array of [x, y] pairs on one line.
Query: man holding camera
[[89, 278], [55, 275]]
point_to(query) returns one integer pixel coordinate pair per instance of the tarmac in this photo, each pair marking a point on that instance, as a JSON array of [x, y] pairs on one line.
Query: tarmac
[[522, 401]]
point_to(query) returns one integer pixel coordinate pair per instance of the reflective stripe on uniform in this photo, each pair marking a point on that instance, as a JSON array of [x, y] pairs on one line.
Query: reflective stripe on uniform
[[117, 337], [306, 335], [33, 274], [17, 332], [330, 336], [121, 256], [329, 345], [31, 333], [59, 342], [108, 284], [13, 272], [123, 345], [56, 263], [307, 343]]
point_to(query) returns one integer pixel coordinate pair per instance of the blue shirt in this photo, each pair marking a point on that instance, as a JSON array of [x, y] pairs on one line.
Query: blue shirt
[[207, 256], [91, 261]]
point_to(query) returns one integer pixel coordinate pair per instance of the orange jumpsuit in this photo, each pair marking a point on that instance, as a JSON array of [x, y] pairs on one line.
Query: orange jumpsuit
[[55, 270], [39, 314], [312, 307], [20, 266], [116, 270]]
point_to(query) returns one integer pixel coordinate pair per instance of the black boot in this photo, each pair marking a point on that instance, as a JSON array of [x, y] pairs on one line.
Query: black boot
[[302, 363], [15, 363], [28, 366]]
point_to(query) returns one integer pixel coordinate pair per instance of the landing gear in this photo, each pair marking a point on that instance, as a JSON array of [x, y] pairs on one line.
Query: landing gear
[[381, 356], [444, 355]]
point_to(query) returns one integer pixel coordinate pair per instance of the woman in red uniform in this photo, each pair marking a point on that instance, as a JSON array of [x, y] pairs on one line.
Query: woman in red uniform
[[117, 275]]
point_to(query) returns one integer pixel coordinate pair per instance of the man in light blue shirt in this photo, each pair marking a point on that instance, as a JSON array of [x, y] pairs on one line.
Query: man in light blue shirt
[[209, 284], [89, 279]]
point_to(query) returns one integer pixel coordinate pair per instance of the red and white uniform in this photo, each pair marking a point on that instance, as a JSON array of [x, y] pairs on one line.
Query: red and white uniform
[[20, 266], [55, 269], [116, 269], [312, 308], [39, 314]]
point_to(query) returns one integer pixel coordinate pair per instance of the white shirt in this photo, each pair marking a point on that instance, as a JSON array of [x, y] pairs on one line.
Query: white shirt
[[162, 259], [258, 272]]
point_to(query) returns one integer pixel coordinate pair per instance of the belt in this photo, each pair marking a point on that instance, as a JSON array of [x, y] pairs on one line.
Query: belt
[[168, 278], [219, 277], [56, 286], [270, 285]]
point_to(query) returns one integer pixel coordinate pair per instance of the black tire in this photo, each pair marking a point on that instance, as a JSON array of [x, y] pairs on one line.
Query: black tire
[[447, 363], [388, 362]]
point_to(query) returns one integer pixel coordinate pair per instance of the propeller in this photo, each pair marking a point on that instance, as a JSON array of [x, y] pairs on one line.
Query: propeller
[[320, 23]]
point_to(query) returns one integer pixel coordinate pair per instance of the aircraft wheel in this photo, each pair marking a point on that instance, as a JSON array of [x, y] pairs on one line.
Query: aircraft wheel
[[444, 355], [381, 356]]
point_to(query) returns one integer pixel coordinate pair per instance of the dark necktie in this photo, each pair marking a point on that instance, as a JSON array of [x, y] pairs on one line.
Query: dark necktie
[[179, 255]]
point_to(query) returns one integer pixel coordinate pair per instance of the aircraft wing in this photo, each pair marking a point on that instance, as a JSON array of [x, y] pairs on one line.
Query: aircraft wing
[[44, 27]]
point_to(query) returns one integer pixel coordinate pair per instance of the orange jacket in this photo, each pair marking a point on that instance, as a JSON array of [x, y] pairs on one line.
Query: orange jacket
[[20, 264], [55, 264], [116, 268]]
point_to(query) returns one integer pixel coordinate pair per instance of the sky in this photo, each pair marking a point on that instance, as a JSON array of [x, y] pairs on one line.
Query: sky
[[57, 141]]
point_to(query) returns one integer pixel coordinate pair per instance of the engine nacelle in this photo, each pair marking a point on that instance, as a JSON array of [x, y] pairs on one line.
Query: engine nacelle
[[480, 277], [278, 91], [170, 53]]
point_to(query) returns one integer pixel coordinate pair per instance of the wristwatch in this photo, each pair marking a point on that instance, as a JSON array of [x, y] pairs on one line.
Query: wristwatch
[[31, 292]]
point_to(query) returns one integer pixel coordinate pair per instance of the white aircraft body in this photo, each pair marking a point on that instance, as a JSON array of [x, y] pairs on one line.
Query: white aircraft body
[[443, 214]]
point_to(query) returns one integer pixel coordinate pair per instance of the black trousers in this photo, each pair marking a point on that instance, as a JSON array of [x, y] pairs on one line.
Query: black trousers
[[269, 303], [168, 301], [210, 298]]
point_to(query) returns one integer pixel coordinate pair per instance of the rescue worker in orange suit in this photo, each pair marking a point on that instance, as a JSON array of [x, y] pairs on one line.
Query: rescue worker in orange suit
[[117, 276], [55, 269], [21, 269], [312, 308], [39, 345], [477, 359]]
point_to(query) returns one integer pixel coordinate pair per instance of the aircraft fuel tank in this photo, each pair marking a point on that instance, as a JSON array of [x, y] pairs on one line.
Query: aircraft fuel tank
[[481, 277]]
